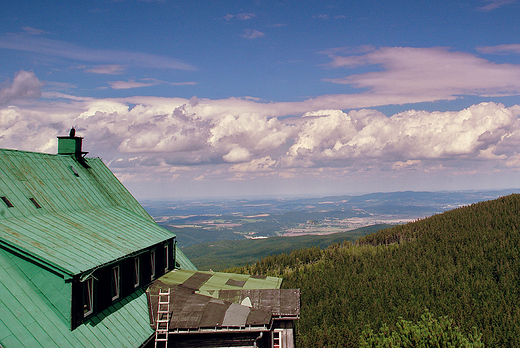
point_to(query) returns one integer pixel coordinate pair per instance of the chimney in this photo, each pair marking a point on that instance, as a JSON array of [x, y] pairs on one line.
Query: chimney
[[71, 145]]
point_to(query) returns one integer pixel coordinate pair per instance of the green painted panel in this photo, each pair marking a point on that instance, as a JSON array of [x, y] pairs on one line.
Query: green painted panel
[[24, 322]]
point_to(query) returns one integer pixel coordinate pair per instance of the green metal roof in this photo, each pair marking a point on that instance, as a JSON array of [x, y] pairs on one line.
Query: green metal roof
[[183, 260], [51, 180], [26, 319], [77, 241], [87, 217]]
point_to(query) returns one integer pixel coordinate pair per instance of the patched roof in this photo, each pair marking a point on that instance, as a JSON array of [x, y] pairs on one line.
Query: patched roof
[[202, 281], [223, 301], [68, 216]]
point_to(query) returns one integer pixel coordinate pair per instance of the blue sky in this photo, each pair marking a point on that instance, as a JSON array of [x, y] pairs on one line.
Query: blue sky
[[242, 98]]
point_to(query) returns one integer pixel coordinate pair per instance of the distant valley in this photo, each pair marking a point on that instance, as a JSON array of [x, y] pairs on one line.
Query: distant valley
[[206, 221]]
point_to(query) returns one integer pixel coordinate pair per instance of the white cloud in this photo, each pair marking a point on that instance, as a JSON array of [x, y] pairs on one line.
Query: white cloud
[[257, 165], [131, 84], [237, 154], [34, 31], [245, 16], [429, 73], [252, 34], [173, 131], [481, 131], [152, 135], [401, 165], [110, 69], [25, 85], [63, 49], [512, 48], [494, 4]]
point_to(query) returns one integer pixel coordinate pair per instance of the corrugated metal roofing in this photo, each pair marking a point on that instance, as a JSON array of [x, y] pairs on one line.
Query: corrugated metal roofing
[[27, 321], [78, 241], [51, 181], [84, 221]]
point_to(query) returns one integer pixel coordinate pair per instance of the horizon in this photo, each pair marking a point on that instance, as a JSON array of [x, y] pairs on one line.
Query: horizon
[[223, 198], [257, 98]]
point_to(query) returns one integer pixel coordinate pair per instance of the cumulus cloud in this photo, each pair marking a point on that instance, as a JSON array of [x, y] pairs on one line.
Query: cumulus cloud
[[25, 85], [237, 154], [364, 135], [162, 133], [151, 136], [257, 165]]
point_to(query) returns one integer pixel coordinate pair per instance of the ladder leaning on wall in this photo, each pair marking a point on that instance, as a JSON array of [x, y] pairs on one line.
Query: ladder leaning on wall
[[163, 318]]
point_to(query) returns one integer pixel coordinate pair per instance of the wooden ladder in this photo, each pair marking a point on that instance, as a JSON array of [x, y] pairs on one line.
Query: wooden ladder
[[163, 318]]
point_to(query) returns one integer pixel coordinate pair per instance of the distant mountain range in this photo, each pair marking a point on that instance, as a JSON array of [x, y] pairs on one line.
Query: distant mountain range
[[202, 221]]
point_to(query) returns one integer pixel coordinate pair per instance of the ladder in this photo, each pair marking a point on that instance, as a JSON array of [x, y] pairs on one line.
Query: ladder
[[163, 318]]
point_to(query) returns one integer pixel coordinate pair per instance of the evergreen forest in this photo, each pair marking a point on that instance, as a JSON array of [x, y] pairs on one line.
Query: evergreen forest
[[462, 265]]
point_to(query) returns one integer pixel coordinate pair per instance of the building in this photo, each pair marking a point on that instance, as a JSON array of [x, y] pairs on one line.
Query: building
[[82, 264], [77, 252], [213, 309]]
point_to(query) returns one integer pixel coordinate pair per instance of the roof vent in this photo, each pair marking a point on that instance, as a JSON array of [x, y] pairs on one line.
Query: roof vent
[[71, 145]]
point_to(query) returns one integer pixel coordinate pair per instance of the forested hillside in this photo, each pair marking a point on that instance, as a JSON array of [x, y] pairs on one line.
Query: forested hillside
[[463, 264], [232, 253]]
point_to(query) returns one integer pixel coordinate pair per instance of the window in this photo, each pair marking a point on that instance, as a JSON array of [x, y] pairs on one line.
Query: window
[[88, 296], [116, 282], [137, 272], [7, 202], [36, 204], [74, 171], [166, 258], [152, 265], [277, 339]]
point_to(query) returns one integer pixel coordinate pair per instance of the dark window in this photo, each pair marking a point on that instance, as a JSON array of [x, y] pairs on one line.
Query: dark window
[[166, 258], [116, 282], [88, 296], [152, 265], [137, 272], [36, 204], [7, 202]]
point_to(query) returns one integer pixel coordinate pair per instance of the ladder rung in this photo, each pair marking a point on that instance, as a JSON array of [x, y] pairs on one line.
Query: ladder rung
[[163, 317]]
